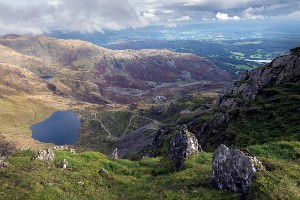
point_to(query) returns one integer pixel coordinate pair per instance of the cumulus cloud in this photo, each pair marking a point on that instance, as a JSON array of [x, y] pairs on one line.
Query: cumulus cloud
[[224, 16]]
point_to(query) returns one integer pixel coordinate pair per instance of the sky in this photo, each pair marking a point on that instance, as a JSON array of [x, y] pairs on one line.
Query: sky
[[88, 16]]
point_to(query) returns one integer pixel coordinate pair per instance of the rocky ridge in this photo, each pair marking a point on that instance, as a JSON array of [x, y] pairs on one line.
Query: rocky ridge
[[213, 132]]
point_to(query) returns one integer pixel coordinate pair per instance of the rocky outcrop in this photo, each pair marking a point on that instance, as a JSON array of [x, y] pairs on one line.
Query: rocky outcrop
[[250, 82], [212, 132], [182, 144], [133, 144], [234, 170], [44, 155]]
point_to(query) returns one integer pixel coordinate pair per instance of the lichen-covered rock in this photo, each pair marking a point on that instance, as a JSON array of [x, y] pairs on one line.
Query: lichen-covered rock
[[233, 170], [182, 144], [44, 154]]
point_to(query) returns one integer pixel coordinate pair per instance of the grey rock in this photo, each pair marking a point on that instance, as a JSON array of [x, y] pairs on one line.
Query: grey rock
[[103, 173], [3, 162], [44, 155], [182, 144], [115, 154], [159, 99], [133, 143], [64, 164], [233, 170], [72, 151], [6, 164], [221, 119], [185, 75]]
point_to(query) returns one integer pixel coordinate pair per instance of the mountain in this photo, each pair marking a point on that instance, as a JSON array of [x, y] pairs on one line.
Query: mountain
[[259, 114], [94, 74]]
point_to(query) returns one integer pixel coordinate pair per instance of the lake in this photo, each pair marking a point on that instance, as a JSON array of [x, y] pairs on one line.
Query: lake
[[61, 128], [47, 78]]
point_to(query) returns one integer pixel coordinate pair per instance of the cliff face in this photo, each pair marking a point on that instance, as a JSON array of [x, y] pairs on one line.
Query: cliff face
[[262, 106], [81, 69]]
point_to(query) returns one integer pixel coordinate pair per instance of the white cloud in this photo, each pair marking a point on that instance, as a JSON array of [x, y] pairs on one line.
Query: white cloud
[[68, 15], [149, 17], [224, 16], [293, 15], [183, 18], [39, 16], [254, 13]]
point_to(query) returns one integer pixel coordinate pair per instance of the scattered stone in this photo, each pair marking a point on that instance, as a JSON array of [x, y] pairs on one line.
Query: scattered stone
[[182, 144], [115, 154], [3, 162], [103, 171], [72, 151], [234, 170], [24, 149], [64, 147], [44, 155], [64, 164], [186, 76], [159, 99], [81, 183]]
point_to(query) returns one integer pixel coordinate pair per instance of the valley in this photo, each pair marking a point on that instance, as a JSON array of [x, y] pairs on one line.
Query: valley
[[133, 103]]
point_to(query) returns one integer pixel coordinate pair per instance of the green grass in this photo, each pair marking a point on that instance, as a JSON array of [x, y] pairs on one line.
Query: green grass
[[281, 180], [151, 178], [273, 116]]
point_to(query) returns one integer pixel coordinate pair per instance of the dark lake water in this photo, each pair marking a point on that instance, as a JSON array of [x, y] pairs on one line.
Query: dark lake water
[[61, 128], [47, 78]]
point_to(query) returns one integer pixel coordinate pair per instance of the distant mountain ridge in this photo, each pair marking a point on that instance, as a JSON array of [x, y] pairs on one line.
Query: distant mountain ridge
[[91, 73]]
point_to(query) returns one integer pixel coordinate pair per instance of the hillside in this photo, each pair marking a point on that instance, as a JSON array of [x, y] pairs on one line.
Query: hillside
[[259, 114], [91, 73], [262, 106]]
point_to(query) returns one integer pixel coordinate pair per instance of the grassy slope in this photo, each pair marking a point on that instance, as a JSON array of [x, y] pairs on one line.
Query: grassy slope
[[146, 179], [273, 116], [18, 112], [151, 178]]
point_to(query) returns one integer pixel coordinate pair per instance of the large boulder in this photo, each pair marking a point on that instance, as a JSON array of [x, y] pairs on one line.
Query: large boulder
[[182, 144], [234, 170]]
